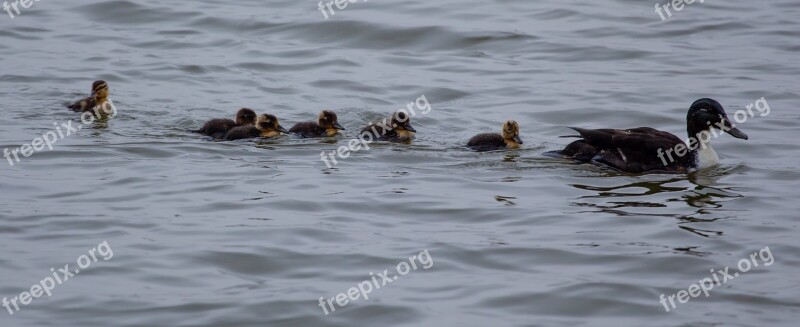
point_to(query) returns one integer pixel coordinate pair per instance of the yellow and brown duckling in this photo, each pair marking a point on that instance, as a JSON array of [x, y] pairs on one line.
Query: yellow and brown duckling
[[508, 139], [327, 125], [99, 97], [399, 130], [266, 126], [218, 128]]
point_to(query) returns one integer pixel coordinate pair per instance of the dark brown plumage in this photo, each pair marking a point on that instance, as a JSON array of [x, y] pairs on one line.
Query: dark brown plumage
[[633, 150], [218, 128], [399, 130], [507, 139], [487, 142], [242, 132], [266, 126], [327, 125]]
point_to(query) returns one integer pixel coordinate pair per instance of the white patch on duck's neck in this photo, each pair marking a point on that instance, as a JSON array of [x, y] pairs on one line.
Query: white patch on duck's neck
[[706, 156]]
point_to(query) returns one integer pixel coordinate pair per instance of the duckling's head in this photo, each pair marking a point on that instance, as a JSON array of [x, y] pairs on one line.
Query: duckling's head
[[245, 116], [401, 124], [511, 134], [401, 121], [269, 126], [100, 89], [705, 114], [330, 122]]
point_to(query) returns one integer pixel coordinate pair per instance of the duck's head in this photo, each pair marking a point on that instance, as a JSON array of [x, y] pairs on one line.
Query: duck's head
[[100, 89], [269, 126], [245, 116], [511, 134], [330, 122], [401, 123], [705, 114]]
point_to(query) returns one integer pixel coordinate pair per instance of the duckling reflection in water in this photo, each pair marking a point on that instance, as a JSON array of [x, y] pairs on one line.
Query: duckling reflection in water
[[218, 128], [266, 126], [399, 130], [507, 139], [327, 124]]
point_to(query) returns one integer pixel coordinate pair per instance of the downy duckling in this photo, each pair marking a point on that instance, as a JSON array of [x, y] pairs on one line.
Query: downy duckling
[[326, 125], [508, 139], [399, 130], [98, 97], [643, 149], [266, 126], [218, 128]]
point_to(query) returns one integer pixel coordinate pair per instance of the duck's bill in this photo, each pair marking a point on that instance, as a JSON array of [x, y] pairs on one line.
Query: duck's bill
[[337, 126], [517, 139], [282, 130], [731, 129], [410, 129], [735, 132]]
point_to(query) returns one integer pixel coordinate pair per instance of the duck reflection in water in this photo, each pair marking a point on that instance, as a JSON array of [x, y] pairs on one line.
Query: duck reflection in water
[[705, 200]]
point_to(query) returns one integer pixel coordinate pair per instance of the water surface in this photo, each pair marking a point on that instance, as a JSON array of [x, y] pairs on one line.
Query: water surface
[[254, 233]]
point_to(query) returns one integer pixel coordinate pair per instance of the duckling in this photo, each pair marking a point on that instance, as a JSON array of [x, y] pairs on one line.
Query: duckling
[[642, 150], [217, 128], [98, 97], [508, 139], [266, 126], [327, 125], [399, 130]]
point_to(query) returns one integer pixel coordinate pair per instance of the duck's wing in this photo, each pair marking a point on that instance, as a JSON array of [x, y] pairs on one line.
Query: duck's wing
[[374, 130], [591, 142], [83, 104], [242, 132], [216, 126], [636, 150], [598, 138], [307, 129], [389, 135], [486, 142]]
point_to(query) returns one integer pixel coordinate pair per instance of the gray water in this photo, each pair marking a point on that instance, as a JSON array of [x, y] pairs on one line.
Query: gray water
[[255, 233]]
